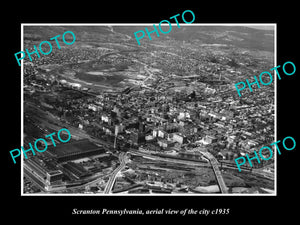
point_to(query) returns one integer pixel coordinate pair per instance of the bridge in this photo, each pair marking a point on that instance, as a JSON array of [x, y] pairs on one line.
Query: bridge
[[213, 161], [215, 165], [112, 178]]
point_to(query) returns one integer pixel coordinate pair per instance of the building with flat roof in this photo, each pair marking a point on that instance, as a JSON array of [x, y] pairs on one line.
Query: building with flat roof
[[75, 170], [75, 150], [42, 173]]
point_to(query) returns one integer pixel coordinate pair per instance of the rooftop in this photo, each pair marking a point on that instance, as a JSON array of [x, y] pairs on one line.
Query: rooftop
[[80, 146]]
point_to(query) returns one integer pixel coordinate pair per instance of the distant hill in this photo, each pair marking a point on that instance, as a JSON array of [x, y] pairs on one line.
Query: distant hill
[[81, 32], [239, 36]]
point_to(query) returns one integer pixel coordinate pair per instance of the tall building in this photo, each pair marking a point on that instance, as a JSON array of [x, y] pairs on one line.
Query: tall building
[[141, 123]]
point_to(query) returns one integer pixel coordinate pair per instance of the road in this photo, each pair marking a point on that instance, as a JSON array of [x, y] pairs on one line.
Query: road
[[112, 178], [215, 165], [213, 161], [112, 175]]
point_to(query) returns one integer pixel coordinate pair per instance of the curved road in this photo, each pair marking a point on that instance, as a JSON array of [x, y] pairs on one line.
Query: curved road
[[112, 179], [215, 165]]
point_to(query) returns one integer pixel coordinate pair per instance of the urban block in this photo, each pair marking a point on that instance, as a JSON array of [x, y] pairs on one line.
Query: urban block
[[44, 43], [262, 156], [266, 74], [40, 140], [159, 26]]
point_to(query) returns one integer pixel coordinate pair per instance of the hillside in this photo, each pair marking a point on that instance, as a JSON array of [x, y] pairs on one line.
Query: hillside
[[237, 36]]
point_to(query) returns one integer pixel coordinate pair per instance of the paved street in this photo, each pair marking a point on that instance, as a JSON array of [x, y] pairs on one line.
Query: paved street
[[112, 179]]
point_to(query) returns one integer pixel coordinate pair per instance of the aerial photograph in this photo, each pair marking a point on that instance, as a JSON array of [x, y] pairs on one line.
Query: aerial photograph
[[160, 118]]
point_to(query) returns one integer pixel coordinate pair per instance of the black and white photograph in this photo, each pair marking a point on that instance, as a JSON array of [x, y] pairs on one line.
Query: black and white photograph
[[162, 117], [140, 112]]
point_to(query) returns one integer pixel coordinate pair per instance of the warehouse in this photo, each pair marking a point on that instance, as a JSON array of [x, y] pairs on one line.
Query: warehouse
[[75, 150]]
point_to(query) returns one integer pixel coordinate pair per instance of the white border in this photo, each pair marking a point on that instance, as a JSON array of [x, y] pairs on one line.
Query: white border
[[150, 24]]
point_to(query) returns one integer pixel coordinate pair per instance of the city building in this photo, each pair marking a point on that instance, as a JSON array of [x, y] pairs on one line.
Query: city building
[[75, 150]]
